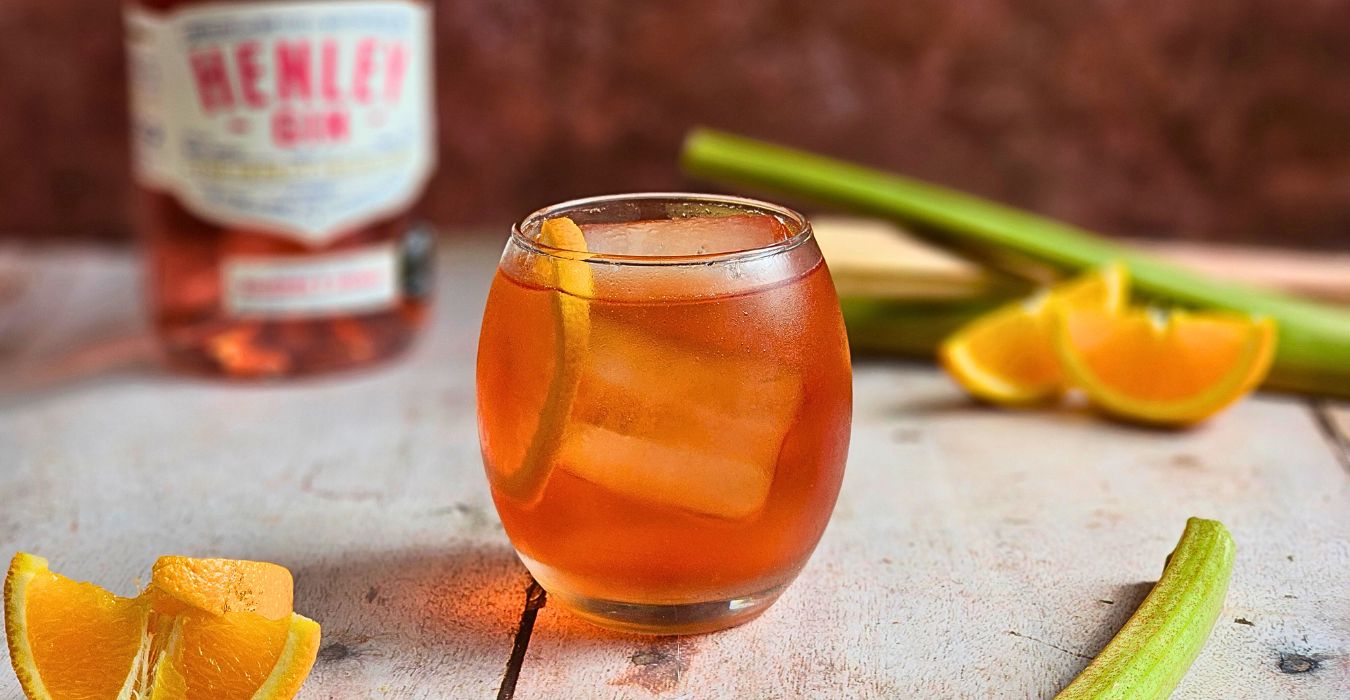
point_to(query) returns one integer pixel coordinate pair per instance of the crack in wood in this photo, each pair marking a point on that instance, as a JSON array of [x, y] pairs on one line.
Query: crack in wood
[[535, 600], [353, 495], [1052, 646], [1338, 443]]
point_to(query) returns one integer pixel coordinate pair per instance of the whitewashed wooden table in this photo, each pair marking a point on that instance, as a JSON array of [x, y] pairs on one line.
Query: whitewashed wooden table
[[973, 553]]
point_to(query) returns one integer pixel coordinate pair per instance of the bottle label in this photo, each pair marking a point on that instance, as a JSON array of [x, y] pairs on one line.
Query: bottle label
[[364, 280], [299, 119]]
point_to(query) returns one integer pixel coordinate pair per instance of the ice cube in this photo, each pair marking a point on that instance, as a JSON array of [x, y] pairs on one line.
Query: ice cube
[[669, 424], [695, 235]]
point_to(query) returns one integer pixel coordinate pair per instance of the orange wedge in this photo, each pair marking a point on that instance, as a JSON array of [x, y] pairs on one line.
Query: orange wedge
[[1008, 355], [1164, 369], [565, 266], [235, 656], [76, 641], [69, 639]]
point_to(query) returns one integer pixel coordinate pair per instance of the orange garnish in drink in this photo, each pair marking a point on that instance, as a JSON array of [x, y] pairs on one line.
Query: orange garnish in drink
[[1164, 369], [1008, 356], [76, 641], [565, 266]]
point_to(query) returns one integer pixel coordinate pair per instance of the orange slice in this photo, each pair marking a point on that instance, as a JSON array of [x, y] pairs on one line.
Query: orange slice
[[221, 586], [1164, 369], [69, 639], [76, 641], [1008, 355], [565, 266]]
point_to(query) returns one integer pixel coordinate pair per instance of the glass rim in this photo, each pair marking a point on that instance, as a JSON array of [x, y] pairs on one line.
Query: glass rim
[[790, 217]]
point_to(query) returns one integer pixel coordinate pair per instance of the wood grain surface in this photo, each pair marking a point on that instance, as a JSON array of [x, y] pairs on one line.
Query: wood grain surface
[[973, 553]]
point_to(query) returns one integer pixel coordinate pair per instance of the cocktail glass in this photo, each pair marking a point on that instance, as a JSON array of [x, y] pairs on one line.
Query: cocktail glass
[[664, 400]]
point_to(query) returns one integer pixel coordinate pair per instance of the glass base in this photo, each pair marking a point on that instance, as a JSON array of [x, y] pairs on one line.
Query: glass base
[[681, 618], [656, 618]]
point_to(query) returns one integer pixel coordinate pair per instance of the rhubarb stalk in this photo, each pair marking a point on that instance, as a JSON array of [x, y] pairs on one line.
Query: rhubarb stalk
[[1149, 655], [1314, 346]]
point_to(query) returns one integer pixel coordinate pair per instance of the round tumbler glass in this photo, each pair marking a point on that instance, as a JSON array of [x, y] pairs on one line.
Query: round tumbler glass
[[664, 400]]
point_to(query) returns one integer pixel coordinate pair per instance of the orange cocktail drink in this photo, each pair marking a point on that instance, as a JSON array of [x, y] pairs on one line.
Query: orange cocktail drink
[[664, 398]]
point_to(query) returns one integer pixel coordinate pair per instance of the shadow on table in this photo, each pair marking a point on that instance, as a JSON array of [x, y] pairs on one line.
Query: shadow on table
[[1126, 598], [125, 357], [458, 605], [953, 403], [122, 357], [932, 405]]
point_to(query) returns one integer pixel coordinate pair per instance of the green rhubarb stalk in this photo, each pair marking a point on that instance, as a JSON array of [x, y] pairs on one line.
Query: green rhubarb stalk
[[909, 328], [1149, 655], [1314, 343]]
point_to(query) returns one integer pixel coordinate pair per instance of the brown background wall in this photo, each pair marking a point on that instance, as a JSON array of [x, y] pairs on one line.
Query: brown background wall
[[1210, 119]]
